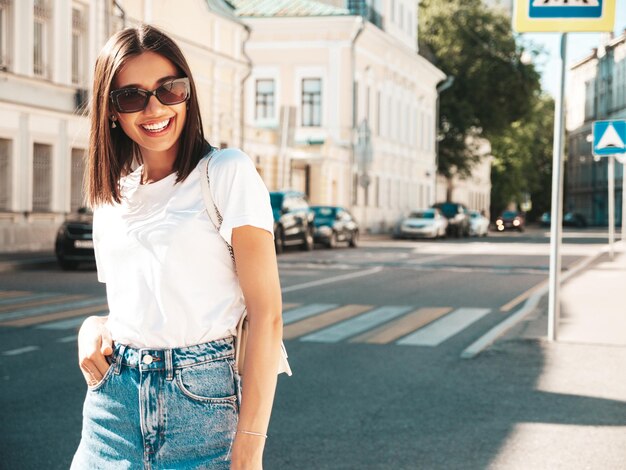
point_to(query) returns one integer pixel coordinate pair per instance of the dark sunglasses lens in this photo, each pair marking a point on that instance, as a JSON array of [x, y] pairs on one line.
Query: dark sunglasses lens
[[173, 92], [131, 101]]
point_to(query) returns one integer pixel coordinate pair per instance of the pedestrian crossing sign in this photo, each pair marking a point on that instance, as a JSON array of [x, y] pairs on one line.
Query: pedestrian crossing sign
[[609, 138], [564, 15]]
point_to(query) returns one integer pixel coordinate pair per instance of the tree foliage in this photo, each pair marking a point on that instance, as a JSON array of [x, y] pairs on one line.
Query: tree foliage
[[493, 87], [523, 160]]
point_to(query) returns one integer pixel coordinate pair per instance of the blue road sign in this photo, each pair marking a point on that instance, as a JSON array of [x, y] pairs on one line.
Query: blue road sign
[[609, 137], [565, 8]]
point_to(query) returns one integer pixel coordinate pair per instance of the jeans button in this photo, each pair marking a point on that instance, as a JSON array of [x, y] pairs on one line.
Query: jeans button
[[147, 359]]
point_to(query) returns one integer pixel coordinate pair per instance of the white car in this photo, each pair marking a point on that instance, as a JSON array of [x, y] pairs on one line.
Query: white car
[[479, 224], [426, 223]]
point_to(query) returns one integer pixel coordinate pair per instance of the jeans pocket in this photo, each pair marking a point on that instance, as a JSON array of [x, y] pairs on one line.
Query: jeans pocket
[[209, 382], [105, 378]]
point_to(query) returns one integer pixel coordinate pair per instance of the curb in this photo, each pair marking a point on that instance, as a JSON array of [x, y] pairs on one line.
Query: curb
[[529, 306]]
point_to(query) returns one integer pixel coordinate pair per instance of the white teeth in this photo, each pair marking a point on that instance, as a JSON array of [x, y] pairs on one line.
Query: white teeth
[[156, 127]]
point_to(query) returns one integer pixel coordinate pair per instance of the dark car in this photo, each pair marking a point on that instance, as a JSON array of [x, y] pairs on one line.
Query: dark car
[[293, 220], [511, 220], [335, 224], [574, 219], [74, 241], [545, 220], [458, 218]]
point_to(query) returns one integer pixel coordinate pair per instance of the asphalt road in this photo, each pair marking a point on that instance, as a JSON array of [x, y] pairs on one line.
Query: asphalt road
[[374, 336]]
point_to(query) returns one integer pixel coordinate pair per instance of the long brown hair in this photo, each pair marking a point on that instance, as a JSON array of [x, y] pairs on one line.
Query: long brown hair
[[111, 152]]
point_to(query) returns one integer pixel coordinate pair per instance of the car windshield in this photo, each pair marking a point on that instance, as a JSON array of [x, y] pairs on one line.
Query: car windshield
[[509, 215], [449, 210], [475, 215], [324, 212], [422, 215], [276, 199]]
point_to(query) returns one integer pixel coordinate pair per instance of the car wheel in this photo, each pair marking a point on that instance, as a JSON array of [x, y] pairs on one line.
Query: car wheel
[[279, 242], [354, 239], [308, 241], [332, 240]]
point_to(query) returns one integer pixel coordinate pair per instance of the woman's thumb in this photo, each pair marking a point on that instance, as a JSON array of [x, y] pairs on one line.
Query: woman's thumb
[[107, 343]]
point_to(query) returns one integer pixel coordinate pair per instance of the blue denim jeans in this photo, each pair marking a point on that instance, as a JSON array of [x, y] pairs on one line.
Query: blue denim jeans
[[162, 409]]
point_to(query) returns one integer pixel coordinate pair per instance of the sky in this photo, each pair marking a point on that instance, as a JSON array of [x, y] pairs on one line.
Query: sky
[[579, 45]]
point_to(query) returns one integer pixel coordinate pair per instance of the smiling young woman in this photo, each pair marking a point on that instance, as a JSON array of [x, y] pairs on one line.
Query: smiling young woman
[[163, 391]]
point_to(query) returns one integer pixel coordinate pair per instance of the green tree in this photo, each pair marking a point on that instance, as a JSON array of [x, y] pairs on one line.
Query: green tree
[[493, 87], [523, 160]]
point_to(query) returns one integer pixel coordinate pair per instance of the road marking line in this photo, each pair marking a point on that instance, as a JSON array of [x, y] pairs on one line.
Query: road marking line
[[320, 321], [68, 339], [358, 324], [437, 332], [63, 324], [41, 310], [26, 296], [44, 299], [29, 321], [15, 352], [305, 311], [402, 326], [12, 293], [520, 298], [331, 280]]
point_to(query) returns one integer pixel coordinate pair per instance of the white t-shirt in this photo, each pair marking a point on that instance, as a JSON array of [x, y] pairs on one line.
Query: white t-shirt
[[169, 277]]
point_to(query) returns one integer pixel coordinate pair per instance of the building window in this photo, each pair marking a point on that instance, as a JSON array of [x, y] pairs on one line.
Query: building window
[[40, 39], [5, 175], [378, 191], [378, 112], [5, 14], [312, 102], [401, 16], [78, 44], [264, 107], [77, 195], [42, 177], [393, 10], [367, 104]]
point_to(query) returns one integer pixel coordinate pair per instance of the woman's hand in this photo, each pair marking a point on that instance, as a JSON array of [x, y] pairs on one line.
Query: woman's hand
[[94, 343], [247, 452]]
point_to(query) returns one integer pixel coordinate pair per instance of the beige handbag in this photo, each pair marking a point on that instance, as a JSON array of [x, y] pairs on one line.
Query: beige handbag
[[242, 327]]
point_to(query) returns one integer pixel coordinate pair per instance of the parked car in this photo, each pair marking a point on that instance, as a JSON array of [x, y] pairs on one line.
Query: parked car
[[293, 220], [574, 219], [545, 219], [458, 218], [510, 220], [479, 224], [427, 223], [334, 224], [74, 240]]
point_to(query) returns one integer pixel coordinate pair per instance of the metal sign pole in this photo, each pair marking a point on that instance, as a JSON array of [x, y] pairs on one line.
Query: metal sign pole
[[557, 201], [611, 206]]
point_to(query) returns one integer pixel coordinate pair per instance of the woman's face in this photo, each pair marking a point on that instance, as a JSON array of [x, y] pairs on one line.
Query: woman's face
[[158, 127]]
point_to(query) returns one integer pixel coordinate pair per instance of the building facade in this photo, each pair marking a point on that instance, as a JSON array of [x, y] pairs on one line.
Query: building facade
[[47, 52], [596, 91], [340, 105]]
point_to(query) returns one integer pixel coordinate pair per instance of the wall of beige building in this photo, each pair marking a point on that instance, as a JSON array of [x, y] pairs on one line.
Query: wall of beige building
[[43, 133], [396, 93]]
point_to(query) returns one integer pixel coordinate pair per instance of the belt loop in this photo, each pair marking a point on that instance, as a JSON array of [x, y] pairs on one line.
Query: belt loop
[[119, 357], [169, 367]]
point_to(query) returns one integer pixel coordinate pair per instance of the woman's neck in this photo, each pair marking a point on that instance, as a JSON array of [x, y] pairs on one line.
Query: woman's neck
[[157, 165]]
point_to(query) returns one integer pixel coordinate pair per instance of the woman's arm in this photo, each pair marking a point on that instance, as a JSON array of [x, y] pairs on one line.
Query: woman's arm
[[257, 270], [94, 342]]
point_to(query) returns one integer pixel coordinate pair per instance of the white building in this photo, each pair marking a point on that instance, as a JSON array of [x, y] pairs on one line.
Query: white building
[[339, 65]]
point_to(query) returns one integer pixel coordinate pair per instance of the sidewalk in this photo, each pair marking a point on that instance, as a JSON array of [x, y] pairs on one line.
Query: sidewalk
[[593, 307]]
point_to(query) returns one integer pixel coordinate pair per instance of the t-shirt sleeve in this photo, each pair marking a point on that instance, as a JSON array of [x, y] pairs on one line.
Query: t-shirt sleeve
[[239, 193], [97, 247]]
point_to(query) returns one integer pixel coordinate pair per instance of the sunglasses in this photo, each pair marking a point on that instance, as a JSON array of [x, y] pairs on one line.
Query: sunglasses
[[132, 100]]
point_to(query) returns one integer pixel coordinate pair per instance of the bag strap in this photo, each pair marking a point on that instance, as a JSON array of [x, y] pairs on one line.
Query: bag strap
[[212, 210]]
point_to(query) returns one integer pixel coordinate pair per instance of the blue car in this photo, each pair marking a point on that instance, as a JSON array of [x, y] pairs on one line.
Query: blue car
[[335, 224]]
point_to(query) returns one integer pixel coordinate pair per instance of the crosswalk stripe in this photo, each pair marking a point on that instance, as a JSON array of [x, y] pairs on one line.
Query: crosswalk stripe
[[25, 297], [402, 326], [12, 293], [437, 332], [44, 309], [358, 324], [29, 321], [35, 301], [68, 339], [25, 349], [317, 322], [288, 306], [63, 324], [296, 314]]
